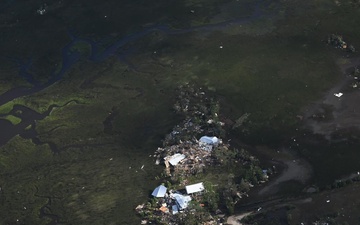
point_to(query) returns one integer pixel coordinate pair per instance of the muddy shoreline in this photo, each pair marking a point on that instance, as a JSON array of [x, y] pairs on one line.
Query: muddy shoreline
[[343, 111], [292, 165]]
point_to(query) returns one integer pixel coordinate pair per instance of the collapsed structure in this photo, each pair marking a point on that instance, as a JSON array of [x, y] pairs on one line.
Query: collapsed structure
[[337, 41], [188, 157], [188, 149]]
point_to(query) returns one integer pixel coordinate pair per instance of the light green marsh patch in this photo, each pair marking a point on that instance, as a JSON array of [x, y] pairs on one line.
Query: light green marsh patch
[[13, 119]]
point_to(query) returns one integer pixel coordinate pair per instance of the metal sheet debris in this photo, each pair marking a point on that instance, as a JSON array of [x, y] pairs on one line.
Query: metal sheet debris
[[195, 188], [159, 192], [175, 159], [175, 209], [209, 140], [182, 200]]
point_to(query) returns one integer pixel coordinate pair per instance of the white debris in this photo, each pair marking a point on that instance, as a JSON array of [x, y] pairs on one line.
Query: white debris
[[207, 143], [42, 10], [209, 140], [175, 159], [327, 201], [181, 200], [338, 94], [194, 188]]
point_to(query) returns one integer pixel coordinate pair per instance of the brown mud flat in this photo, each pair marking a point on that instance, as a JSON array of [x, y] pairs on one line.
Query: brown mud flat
[[328, 206], [327, 117], [296, 170], [334, 202], [288, 165], [235, 220], [344, 110]]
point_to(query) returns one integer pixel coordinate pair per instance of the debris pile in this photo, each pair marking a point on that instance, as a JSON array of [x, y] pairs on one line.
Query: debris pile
[[355, 74], [172, 207], [192, 146], [188, 157], [182, 153], [337, 41], [201, 116]]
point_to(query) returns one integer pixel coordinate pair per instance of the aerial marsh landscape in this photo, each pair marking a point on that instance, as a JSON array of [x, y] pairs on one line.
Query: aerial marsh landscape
[[87, 95]]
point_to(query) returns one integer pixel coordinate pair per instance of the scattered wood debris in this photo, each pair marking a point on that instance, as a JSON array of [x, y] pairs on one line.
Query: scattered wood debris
[[187, 150]]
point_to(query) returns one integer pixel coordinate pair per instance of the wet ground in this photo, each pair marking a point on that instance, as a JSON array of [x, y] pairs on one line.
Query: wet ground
[[118, 65], [342, 111]]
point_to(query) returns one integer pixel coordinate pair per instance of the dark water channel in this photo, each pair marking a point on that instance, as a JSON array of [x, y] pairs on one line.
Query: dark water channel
[[70, 56], [27, 127]]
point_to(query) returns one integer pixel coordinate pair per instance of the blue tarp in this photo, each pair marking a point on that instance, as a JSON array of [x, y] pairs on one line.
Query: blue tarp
[[175, 209], [159, 191]]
